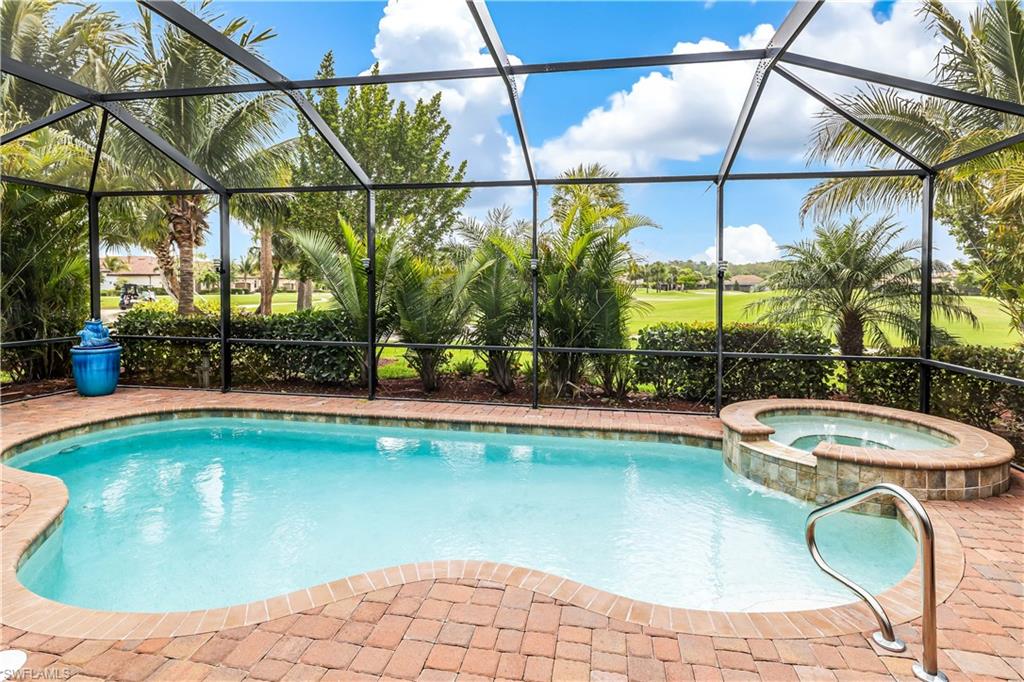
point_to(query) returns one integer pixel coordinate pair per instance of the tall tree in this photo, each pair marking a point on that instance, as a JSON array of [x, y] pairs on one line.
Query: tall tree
[[87, 46], [586, 297], [44, 274], [233, 137], [981, 201], [857, 280], [393, 142], [247, 266]]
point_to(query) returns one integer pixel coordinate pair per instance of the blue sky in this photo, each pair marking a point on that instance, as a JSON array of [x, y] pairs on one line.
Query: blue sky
[[637, 121]]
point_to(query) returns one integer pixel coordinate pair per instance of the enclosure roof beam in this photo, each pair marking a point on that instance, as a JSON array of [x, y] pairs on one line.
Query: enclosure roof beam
[[472, 184], [29, 128], [839, 109], [799, 15], [64, 86], [98, 153], [482, 17], [987, 149], [901, 83], [445, 74], [217, 41], [14, 180]]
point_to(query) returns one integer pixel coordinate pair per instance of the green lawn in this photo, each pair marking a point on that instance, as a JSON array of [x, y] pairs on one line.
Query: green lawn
[[677, 306], [284, 302], [680, 306]]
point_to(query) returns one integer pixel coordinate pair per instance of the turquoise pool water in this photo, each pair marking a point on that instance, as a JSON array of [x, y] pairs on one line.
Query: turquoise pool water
[[202, 513], [805, 431]]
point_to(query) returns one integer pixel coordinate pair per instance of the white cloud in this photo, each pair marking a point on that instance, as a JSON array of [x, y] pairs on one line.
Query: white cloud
[[414, 35], [683, 115], [688, 113], [745, 244]]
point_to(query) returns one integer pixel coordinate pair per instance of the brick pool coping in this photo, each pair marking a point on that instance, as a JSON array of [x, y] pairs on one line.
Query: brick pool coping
[[43, 498], [972, 448]]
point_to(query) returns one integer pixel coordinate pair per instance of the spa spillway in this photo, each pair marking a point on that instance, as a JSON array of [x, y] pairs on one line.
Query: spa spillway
[[821, 450]]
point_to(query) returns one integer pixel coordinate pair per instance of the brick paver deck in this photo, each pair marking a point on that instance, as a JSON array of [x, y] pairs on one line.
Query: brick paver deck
[[471, 629]]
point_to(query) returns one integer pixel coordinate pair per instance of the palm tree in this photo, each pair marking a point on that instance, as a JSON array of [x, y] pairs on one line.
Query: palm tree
[[115, 264], [230, 136], [337, 259], [287, 257], [247, 266], [982, 200], [856, 279], [433, 305], [207, 278], [586, 298], [86, 47], [565, 197], [501, 292], [44, 274], [267, 268]]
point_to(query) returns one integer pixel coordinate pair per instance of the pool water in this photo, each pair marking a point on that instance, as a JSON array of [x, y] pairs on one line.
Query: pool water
[[808, 443], [209, 512], [805, 431]]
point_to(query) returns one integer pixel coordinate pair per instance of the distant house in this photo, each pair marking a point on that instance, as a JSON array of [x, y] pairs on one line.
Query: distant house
[[144, 271], [746, 283], [139, 270], [252, 284]]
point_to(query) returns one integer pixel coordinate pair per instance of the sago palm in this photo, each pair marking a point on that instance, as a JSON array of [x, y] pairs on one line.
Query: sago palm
[[586, 298], [981, 200], [501, 292], [433, 304], [857, 280]]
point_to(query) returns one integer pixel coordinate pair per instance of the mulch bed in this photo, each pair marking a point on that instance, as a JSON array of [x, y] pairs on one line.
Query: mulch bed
[[10, 392], [478, 389]]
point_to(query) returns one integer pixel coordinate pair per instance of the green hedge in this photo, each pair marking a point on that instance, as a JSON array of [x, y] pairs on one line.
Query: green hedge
[[954, 395], [198, 363], [744, 379]]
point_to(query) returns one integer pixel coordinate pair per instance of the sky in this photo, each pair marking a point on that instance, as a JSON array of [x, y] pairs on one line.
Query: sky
[[635, 121]]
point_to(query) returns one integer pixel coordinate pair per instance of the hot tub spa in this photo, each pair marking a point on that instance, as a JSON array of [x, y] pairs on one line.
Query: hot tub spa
[[821, 450], [207, 512]]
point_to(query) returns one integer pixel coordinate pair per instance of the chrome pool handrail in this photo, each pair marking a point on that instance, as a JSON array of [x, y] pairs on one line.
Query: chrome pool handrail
[[928, 668]]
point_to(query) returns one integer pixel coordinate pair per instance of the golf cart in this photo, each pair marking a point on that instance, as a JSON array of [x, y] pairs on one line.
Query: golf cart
[[129, 295], [132, 294]]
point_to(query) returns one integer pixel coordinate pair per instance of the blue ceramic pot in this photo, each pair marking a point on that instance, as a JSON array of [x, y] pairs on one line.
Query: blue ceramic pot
[[97, 369]]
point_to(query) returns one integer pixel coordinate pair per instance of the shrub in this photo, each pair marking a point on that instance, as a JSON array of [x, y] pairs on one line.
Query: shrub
[[615, 374], [189, 363], [43, 271], [744, 379], [954, 395], [194, 362], [465, 367]]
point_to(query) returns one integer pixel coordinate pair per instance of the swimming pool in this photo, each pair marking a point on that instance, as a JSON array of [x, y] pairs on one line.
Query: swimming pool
[[207, 512]]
